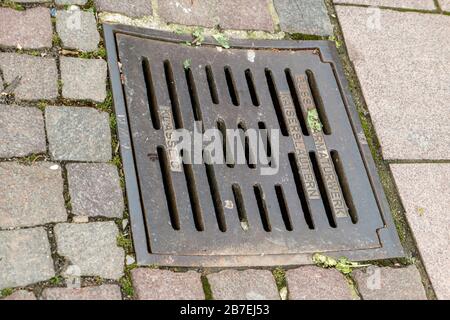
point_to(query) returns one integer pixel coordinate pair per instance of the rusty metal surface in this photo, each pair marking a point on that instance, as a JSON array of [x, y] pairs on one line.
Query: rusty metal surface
[[326, 196]]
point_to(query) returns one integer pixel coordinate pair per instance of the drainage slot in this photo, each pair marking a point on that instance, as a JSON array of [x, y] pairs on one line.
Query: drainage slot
[[231, 86], [266, 139], [217, 201], [339, 169], [151, 96], [300, 191], [223, 130], [251, 163], [240, 206], [251, 87], [262, 207], [212, 85], [193, 196], [322, 190], [283, 207], [193, 95], [276, 102], [295, 98], [170, 80], [318, 102], [168, 188]]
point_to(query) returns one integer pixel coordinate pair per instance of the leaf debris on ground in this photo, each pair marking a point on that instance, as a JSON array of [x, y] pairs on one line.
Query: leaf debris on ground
[[342, 264], [222, 40]]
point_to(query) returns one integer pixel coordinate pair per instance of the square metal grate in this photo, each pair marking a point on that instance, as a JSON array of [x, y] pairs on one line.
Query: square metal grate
[[325, 197]]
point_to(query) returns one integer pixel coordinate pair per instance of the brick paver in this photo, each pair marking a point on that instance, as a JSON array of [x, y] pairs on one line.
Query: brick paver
[[29, 29], [405, 85], [77, 29], [83, 79], [314, 283], [22, 131], [31, 194], [377, 283], [151, 284], [78, 134], [39, 75], [92, 247], [103, 292], [95, 190], [24, 257], [243, 285], [232, 14], [424, 190], [306, 17], [411, 4], [445, 5], [21, 295], [131, 8]]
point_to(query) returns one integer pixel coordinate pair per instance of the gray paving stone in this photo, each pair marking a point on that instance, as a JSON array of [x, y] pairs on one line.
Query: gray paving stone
[[39, 75], [151, 284], [314, 283], [424, 190], [103, 292], [77, 29], [92, 247], [22, 131], [78, 134], [243, 285], [445, 5], [376, 283], [95, 190], [306, 17], [25, 257], [131, 8], [31, 195], [29, 29], [411, 4], [232, 14], [21, 295], [83, 79], [66, 2], [405, 85]]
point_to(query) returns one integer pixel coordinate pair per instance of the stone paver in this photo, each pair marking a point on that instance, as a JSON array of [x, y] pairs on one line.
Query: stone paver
[[83, 79], [411, 4], [21, 295], [404, 84], [445, 5], [66, 2], [39, 75], [77, 29], [151, 284], [24, 257], [29, 29], [92, 247], [232, 14], [103, 292], [95, 190], [21, 131], [131, 8], [31, 194], [306, 17], [424, 190], [78, 134], [243, 285], [376, 283], [314, 283]]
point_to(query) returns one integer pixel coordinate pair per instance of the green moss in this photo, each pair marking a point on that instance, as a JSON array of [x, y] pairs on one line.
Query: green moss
[[124, 242], [301, 36], [56, 280], [207, 288], [13, 5], [127, 286], [6, 292]]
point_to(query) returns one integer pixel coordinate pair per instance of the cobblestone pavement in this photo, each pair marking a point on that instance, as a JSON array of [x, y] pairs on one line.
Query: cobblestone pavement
[[61, 198]]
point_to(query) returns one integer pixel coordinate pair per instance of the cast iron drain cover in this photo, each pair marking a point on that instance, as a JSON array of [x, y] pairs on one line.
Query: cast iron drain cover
[[324, 195]]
